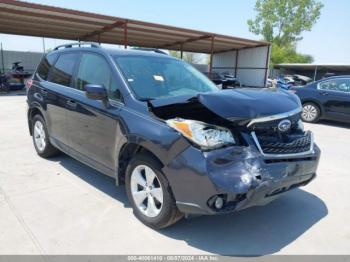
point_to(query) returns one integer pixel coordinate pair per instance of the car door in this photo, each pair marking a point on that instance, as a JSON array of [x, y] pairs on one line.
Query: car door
[[54, 92], [336, 95], [93, 127]]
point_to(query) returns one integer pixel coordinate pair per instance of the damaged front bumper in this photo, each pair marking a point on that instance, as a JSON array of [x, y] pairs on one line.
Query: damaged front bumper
[[241, 176]]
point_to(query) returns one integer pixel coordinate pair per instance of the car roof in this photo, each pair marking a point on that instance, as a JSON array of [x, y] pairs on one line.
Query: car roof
[[328, 78], [334, 77], [115, 52]]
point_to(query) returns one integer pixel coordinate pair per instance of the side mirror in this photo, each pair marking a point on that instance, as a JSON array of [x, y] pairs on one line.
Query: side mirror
[[96, 92]]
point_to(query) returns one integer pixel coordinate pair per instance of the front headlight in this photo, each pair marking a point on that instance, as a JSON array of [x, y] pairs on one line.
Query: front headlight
[[202, 134]]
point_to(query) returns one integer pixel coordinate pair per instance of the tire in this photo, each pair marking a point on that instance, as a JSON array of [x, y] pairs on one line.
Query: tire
[[41, 138], [156, 215], [311, 113]]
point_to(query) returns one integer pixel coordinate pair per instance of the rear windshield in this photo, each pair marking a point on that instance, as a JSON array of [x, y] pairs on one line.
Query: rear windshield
[[158, 77]]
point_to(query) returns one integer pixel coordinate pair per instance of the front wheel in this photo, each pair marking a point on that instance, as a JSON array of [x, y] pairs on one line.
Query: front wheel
[[149, 193], [311, 113]]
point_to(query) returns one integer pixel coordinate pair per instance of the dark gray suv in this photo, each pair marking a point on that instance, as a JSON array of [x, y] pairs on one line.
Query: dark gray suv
[[178, 143]]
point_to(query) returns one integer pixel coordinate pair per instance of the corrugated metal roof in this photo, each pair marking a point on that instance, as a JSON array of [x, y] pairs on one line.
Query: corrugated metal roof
[[23, 18], [298, 66]]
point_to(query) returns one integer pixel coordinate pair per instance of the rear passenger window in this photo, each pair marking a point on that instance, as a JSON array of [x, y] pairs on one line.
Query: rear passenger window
[[45, 65], [94, 69], [62, 72], [339, 85]]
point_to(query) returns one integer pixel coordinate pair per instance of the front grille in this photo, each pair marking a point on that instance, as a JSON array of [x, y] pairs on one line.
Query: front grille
[[271, 141], [292, 144], [271, 126], [281, 160]]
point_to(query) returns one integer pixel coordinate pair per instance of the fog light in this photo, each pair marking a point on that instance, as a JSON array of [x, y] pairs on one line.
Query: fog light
[[219, 202]]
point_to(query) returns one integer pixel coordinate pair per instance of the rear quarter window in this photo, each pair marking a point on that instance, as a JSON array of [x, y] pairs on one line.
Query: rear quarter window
[[45, 66], [61, 73]]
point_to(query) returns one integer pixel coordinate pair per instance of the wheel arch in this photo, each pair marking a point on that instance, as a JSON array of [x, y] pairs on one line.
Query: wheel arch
[[126, 153], [34, 110], [162, 149]]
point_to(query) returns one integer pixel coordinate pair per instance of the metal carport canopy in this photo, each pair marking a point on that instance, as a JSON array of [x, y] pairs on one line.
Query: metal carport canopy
[[338, 67], [23, 18]]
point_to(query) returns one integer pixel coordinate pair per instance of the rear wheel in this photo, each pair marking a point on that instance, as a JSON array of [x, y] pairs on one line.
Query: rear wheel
[[149, 193], [41, 138], [311, 113]]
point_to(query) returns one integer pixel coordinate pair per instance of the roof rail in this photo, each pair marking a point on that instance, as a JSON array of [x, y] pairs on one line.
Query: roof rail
[[78, 44], [150, 50]]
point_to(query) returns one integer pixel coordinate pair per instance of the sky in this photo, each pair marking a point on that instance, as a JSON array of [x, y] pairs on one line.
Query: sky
[[328, 42]]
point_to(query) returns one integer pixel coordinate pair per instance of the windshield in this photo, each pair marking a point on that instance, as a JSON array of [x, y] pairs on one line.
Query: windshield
[[161, 77]]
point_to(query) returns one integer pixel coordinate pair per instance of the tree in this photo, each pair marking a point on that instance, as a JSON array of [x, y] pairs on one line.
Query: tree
[[282, 21], [288, 54]]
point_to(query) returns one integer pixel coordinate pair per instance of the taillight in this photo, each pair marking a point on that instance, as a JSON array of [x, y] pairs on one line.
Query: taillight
[[29, 83]]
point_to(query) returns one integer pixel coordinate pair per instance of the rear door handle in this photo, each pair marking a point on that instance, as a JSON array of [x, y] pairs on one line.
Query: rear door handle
[[71, 104], [324, 93]]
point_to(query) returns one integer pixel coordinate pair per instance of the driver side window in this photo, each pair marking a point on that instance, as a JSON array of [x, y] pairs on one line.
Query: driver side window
[[94, 69]]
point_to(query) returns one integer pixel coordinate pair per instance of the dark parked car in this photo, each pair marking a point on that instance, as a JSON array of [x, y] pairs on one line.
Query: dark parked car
[[328, 98], [178, 143], [224, 79]]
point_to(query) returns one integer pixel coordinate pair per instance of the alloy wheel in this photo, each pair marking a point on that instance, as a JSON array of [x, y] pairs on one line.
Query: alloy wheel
[[309, 113], [146, 191], [39, 136]]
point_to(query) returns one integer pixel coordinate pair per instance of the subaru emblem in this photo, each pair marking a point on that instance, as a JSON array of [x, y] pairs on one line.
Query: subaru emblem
[[284, 125]]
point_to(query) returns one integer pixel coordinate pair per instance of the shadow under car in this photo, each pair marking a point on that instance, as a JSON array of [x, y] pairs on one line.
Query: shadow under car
[[252, 232]]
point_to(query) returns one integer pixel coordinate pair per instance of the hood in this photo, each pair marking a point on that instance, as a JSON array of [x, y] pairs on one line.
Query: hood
[[233, 104], [248, 103]]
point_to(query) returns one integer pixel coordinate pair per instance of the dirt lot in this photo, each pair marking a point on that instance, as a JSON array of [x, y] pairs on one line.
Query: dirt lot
[[61, 206]]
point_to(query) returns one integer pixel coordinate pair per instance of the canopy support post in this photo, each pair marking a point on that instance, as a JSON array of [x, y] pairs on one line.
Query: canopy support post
[[44, 45], [315, 73], [2, 60], [267, 64], [211, 55], [236, 62], [126, 34]]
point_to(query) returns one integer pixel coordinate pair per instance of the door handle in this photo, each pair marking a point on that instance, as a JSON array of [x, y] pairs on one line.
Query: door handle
[[324, 93], [71, 104]]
